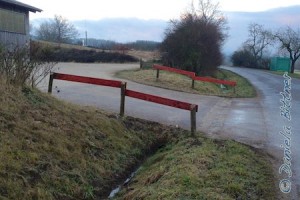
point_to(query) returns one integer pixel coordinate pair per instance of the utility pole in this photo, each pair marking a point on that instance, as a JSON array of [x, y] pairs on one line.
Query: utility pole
[[86, 40]]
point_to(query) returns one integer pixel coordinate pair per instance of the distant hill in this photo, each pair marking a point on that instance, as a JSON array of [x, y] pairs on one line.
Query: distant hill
[[132, 29], [123, 29]]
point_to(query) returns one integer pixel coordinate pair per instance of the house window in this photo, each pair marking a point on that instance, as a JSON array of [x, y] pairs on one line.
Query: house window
[[12, 21]]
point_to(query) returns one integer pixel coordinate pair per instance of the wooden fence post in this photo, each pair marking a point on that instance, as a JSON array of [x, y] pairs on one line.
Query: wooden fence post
[[193, 119], [193, 83], [50, 83], [141, 63], [157, 73], [123, 94]]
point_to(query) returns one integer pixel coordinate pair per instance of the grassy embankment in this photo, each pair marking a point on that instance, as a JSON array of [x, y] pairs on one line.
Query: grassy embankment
[[182, 83], [53, 150], [202, 169]]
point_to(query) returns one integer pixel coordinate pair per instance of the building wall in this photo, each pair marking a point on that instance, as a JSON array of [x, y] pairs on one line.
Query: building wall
[[10, 38]]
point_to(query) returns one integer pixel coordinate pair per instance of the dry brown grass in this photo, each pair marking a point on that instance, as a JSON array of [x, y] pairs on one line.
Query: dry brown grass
[[54, 150], [144, 55]]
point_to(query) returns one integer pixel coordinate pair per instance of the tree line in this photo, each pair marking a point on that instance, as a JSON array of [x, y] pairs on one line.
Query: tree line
[[60, 30], [256, 49]]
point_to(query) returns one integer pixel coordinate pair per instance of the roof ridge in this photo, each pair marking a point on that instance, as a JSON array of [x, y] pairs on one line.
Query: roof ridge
[[22, 5]]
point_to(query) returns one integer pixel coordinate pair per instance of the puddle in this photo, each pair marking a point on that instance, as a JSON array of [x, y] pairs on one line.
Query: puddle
[[115, 191]]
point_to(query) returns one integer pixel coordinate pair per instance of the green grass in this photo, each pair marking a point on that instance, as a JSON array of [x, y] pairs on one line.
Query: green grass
[[182, 83], [296, 74], [199, 168], [50, 149]]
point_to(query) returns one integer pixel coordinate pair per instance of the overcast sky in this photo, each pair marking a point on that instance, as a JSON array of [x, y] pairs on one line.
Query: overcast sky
[[143, 9]]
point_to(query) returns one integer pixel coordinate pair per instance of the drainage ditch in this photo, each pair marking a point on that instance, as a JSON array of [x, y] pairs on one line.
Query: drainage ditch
[[116, 190]]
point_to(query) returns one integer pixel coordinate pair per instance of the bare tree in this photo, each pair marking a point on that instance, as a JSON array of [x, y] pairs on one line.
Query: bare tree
[[211, 13], [46, 31], [258, 40], [65, 31], [58, 30], [289, 40]]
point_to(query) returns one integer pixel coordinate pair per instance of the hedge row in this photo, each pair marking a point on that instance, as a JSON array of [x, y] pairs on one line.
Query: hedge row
[[59, 54]]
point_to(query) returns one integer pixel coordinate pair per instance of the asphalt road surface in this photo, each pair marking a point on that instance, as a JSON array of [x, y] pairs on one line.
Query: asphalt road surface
[[253, 121]]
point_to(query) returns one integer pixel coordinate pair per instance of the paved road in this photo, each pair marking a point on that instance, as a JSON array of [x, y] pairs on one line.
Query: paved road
[[266, 120], [256, 121]]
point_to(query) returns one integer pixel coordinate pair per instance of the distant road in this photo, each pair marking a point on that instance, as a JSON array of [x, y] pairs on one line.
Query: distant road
[[255, 121]]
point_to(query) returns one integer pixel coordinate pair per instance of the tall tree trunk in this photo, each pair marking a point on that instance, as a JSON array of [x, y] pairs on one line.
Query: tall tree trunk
[[293, 66]]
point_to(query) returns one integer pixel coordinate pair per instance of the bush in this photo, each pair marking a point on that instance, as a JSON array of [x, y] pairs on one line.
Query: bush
[[194, 45], [245, 58], [242, 58], [18, 67], [194, 42]]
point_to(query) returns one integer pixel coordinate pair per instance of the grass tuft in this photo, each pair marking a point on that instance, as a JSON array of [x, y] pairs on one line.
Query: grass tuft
[[296, 74]]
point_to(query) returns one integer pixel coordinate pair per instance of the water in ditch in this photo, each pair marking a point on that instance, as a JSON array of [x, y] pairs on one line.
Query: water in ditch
[[116, 190]]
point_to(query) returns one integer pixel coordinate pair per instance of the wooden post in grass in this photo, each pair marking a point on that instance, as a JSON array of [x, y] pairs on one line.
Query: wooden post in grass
[[50, 83], [123, 94], [157, 73], [141, 63], [193, 119], [193, 80]]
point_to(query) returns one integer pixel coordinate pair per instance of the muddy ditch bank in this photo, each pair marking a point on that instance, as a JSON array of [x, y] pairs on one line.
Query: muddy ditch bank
[[164, 134], [178, 165]]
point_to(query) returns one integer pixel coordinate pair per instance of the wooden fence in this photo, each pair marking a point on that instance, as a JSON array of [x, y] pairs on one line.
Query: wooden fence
[[170, 69], [130, 93], [82, 79], [214, 80], [193, 76]]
